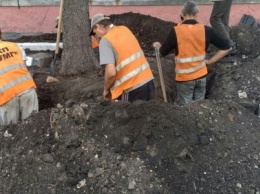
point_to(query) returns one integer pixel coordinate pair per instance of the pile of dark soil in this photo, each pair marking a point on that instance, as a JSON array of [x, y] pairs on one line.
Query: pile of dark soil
[[78, 143]]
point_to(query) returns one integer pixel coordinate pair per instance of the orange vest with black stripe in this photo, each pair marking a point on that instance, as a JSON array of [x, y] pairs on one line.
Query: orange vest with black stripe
[[132, 68], [14, 76], [94, 42], [191, 42]]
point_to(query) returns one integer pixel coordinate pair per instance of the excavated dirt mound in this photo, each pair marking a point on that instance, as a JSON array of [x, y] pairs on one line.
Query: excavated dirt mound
[[78, 143]]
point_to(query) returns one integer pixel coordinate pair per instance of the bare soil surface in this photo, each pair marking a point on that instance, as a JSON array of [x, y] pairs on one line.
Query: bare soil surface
[[78, 143]]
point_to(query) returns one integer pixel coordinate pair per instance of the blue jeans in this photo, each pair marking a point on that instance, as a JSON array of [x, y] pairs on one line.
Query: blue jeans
[[191, 90]]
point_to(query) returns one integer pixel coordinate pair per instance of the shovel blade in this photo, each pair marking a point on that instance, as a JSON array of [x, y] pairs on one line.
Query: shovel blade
[[53, 65], [51, 79]]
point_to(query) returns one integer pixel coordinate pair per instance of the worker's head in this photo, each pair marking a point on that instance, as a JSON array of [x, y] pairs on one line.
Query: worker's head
[[190, 9], [99, 24]]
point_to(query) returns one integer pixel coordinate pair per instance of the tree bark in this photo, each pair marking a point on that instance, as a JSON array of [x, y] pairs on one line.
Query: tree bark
[[78, 56]]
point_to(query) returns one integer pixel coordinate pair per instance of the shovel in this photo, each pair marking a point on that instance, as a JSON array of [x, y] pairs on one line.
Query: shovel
[[160, 74], [53, 63]]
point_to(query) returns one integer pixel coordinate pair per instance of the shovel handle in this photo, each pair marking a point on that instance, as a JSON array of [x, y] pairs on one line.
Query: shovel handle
[[59, 27], [53, 64], [160, 74]]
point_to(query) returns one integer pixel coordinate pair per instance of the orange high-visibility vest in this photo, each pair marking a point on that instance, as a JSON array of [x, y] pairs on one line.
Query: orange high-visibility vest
[[14, 76], [94, 41], [191, 42], [132, 68]]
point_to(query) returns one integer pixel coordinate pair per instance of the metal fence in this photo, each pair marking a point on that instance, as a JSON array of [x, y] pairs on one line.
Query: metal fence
[[110, 2]]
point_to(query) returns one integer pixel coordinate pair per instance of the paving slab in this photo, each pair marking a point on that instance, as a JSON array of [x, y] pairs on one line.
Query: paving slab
[[42, 60]]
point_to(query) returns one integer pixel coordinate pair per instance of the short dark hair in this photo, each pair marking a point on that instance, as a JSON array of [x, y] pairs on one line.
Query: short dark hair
[[105, 22], [190, 8]]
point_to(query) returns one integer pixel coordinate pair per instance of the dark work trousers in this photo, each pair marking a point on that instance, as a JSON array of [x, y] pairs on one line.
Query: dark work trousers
[[144, 92], [219, 19]]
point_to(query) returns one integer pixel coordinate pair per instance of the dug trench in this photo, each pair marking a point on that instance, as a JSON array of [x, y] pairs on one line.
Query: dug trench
[[78, 143]]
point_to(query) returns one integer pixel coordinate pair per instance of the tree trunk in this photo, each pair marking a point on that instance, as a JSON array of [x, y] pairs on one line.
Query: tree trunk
[[78, 56]]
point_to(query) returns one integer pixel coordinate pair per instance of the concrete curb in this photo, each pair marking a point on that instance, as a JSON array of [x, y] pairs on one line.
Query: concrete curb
[[39, 46]]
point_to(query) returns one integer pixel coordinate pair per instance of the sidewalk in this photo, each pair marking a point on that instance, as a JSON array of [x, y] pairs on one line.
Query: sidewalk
[[42, 19]]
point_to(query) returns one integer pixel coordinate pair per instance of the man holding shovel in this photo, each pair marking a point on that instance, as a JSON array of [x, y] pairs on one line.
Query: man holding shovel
[[190, 40]]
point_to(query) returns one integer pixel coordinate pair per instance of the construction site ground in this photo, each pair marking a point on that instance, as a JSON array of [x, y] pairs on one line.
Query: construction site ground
[[78, 143]]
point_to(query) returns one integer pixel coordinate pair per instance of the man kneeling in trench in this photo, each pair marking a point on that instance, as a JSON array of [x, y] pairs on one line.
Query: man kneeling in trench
[[18, 98], [128, 75]]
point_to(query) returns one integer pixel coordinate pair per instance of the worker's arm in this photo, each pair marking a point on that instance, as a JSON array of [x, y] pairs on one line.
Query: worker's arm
[[169, 44], [219, 55], [219, 42], [110, 76]]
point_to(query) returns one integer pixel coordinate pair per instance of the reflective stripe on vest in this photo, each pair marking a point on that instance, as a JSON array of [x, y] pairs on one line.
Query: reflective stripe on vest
[[130, 75], [190, 59], [15, 78], [15, 82], [129, 60], [190, 70], [132, 68], [191, 40], [10, 67]]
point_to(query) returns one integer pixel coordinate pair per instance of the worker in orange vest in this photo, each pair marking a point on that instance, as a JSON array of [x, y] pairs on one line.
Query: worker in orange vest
[[95, 45], [190, 40], [18, 98], [128, 75]]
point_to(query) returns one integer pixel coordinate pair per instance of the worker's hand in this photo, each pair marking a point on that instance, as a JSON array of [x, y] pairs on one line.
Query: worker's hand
[[107, 95], [207, 61], [157, 45]]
